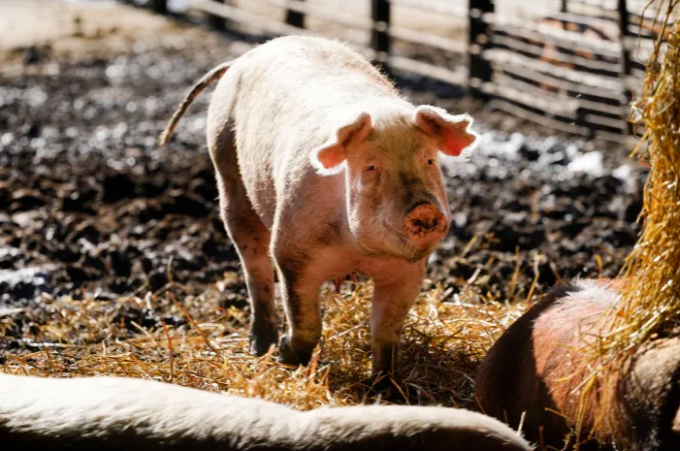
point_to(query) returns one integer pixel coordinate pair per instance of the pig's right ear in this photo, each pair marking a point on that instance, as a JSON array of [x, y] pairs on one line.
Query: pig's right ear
[[452, 133], [329, 159]]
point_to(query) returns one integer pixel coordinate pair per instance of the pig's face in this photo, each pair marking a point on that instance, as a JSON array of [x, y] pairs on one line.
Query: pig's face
[[397, 204], [396, 200]]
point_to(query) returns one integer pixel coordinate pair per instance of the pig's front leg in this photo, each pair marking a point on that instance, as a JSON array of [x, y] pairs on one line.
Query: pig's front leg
[[393, 297], [300, 294]]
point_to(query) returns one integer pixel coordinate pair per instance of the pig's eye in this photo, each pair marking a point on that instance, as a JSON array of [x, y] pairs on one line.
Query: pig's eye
[[372, 168], [430, 162]]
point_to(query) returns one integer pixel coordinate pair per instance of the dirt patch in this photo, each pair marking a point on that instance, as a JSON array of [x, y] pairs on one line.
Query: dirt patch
[[91, 208], [87, 192]]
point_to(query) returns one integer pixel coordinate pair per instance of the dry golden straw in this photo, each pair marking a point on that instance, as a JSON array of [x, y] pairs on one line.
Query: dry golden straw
[[650, 304], [199, 344]]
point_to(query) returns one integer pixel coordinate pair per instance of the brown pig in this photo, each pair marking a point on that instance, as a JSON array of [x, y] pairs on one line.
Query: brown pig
[[533, 373], [122, 414], [324, 169]]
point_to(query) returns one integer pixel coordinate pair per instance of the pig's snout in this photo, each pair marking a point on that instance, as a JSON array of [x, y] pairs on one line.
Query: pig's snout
[[425, 223]]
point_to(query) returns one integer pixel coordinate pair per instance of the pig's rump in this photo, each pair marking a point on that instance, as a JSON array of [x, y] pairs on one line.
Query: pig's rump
[[107, 413]]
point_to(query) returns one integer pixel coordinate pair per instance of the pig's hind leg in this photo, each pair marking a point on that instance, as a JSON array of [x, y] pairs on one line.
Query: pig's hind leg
[[251, 239]]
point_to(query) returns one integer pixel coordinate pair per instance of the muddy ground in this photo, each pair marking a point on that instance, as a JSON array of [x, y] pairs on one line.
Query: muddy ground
[[90, 206]]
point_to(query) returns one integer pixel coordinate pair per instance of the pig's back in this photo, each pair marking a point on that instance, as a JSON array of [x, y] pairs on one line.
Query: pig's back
[[311, 72]]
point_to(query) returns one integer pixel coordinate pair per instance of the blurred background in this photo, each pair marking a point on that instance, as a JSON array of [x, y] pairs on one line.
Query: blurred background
[[90, 207]]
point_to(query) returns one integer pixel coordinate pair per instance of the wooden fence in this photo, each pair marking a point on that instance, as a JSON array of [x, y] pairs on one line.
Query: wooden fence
[[573, 65], [573, 69]]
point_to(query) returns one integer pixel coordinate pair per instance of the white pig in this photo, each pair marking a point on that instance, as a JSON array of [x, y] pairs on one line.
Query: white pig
[[325, 169], [123, 414]]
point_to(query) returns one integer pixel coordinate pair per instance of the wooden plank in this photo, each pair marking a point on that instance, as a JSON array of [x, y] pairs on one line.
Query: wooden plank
[[555, 36], [628, 141], [633, 83], [428, 70], [431, 40], [240, 15], [452, 9], [651, 19], [618, 123], [581, 20], [525, 114], [523, 72], [500, 56], [502, 105], [612, 110], [609, 9], [586, 9], [639, 46], [602, 108], [598, 4], [565, 108], [613, 96], [349, 20], [515, 43]]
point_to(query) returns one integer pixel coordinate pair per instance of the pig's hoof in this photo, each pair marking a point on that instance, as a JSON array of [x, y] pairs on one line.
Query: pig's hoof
[[291, 356], [261, 338]]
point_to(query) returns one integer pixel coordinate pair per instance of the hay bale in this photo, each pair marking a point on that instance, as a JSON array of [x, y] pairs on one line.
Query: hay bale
[[651, 299]]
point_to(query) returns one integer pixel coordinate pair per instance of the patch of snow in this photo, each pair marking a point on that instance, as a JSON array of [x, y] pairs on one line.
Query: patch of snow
[[589, 163]]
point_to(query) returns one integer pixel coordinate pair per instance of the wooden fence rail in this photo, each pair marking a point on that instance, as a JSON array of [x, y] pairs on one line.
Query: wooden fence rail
[[575, 69]]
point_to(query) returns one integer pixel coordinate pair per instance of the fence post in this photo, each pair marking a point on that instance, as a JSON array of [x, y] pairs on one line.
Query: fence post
[[626, 64], [295, 18], [218, 22], [478, 40], [381, 41], [159, 6]]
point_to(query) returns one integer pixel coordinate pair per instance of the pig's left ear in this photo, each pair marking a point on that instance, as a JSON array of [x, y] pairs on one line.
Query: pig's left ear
[[451, 133], [329, 159]]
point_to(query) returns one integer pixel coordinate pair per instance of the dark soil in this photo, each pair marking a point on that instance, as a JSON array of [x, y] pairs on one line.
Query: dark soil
[[90, 206]]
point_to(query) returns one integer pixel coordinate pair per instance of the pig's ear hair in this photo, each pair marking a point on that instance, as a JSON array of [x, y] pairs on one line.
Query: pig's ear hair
[[330, 158], [451, 133]]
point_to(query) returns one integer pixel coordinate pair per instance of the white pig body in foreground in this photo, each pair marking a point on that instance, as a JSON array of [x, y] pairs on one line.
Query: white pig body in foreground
[[122, 414], [325, 170]]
